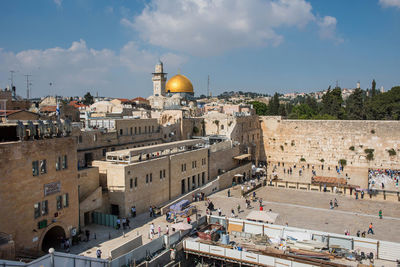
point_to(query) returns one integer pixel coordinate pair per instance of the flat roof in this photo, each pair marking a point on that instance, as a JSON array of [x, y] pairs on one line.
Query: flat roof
[[154, 148]]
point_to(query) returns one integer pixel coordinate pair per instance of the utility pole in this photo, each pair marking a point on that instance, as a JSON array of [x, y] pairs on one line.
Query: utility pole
[[208, 86], [27, 85]]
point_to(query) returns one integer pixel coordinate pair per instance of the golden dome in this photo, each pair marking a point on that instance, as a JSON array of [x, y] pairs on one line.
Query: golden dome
[[179, 84]]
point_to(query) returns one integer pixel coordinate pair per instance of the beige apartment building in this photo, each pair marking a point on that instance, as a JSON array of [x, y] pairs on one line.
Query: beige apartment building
[[38, 191], [153, 175]]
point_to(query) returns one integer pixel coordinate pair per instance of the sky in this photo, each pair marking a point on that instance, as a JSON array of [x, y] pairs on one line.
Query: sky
[[110, 48]]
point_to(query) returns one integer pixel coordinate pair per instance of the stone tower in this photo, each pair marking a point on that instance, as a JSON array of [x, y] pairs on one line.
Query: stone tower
[[159, 79]]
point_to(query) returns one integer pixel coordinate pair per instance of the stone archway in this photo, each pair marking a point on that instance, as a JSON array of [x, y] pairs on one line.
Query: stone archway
[[52, 238]]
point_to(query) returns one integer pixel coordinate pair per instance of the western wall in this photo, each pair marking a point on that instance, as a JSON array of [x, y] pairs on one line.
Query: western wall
[[319, 145]]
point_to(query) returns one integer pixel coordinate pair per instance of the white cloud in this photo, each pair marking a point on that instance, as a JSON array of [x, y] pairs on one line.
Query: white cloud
[[79, 67], [207, 27], [390, 3], [327, 29], [58, 2]]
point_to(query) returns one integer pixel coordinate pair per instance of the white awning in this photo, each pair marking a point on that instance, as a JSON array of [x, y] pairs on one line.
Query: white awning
[[263, 216], [243, 156]]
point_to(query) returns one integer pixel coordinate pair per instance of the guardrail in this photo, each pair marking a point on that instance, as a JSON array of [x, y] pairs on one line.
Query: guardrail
[[373, 194], [59, 259]]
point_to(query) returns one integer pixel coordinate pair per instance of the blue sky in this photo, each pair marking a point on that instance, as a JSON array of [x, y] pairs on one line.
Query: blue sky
[[110, 47]]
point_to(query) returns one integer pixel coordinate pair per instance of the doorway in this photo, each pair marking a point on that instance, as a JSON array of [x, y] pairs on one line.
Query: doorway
[[114, 210], [53, 238]]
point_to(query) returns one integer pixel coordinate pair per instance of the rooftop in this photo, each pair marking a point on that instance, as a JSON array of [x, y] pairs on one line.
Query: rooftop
[[127, 156]]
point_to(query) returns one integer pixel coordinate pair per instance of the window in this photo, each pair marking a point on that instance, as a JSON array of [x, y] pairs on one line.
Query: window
[[95, 137], [64, 162], [113, 149], [35, 168], [152, 129], [36, 208], [80, 139], [161, 176], [151, 177], [131, 130], [140, 130], [58, 163], [45, 207], [135, 182], [163, 173], [43, 166], [121, 131], [65, 200], [104, 152], [147, 178], [222, 127], [59, 203], [135, 130], [131, 183]]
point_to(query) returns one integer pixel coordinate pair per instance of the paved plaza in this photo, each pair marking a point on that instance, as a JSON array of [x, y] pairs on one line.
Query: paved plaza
[[304, 209], [310, 210]]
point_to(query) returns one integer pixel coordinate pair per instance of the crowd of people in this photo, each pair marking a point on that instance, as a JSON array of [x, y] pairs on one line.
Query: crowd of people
[[383, 179]]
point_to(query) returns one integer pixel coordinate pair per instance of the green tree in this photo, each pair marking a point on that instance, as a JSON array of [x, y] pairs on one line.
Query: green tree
[[385, 106], [373, 89], [260, 107], [88, 99], [332, 104], [273, 106], [302, 112], [355, 109]]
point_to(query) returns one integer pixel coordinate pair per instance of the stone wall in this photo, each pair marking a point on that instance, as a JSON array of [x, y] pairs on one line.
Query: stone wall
[[222, 159], [226, 179], [20, 190], [88, 181], [322, 144]]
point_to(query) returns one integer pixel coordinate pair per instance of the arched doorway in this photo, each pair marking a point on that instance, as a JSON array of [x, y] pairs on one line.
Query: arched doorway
[[52, 239]]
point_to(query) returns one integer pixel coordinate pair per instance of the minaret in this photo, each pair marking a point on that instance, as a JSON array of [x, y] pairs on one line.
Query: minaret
[[159, 79]]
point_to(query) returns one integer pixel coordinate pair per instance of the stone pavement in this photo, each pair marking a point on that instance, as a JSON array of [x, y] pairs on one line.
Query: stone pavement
[[310, 210], [304, 209], [108, 238]]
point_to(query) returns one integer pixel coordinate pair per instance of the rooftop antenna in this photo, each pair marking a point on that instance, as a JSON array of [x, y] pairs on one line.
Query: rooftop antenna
[[208, 86], [27, 85]]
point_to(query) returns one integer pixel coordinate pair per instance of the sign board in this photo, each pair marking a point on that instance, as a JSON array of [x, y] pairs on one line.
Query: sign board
[[52, 188]]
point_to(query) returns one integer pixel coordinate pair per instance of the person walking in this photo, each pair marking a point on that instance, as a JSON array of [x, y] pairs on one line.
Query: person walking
[[233, 213], [370, 230], [98, 253], [336, 203], [159, 231], [238, 208], [167, 230], [229, 193], [219, 212], [331, 204], [380, 214], [87, 232]]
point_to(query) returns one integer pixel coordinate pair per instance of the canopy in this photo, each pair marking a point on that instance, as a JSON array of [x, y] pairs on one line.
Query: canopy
[[264, 216], [182, 226], [243, 156]]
